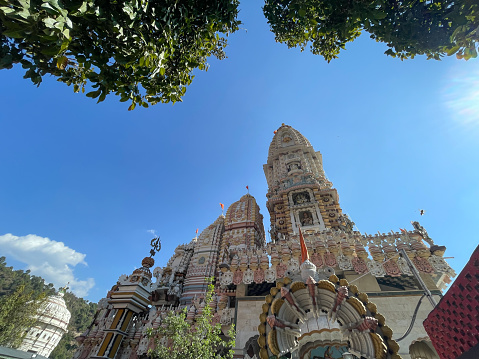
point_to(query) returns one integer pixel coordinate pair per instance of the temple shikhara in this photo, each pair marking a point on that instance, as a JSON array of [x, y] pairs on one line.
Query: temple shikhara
[[317, 289]]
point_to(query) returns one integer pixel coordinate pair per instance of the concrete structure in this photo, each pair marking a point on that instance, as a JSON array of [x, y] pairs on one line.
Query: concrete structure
[[314, 294], [52, 323]]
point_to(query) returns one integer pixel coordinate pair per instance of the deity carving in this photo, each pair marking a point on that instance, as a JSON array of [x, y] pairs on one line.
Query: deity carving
[[423, 265], [330, 259], [376, 268], [226, 278], [293, 166], [359, 265], [392, 268], [344, 262], [258, 276], [301, 198], [248, 276], [306, 218], [269, 275], [237, 277], [293, 266]]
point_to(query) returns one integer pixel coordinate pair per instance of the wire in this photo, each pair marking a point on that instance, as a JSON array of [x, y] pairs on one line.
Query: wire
[[412, 320]]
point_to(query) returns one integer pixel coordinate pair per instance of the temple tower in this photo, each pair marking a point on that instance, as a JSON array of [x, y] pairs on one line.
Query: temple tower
[[201, 267], [299, 193], [53, 318]]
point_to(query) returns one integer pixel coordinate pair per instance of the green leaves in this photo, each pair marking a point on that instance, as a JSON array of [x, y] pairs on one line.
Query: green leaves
[[204, 338], [408, 27], [17, 315], [143, 51]]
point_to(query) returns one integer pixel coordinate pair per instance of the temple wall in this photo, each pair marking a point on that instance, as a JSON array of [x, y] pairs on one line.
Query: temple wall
[[398, 311], [247, 320]]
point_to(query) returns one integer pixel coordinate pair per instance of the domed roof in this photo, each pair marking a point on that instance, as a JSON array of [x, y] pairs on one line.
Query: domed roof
[[55, 312], [286, 136], [244, 210]]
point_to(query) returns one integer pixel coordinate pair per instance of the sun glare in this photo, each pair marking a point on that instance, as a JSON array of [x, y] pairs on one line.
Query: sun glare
[[461, 95]]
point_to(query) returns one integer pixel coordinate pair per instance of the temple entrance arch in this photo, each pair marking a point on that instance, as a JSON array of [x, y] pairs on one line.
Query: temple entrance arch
[[305, 319]]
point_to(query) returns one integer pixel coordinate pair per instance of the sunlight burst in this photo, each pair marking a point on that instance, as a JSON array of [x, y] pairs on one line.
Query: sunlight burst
[[461, 95]]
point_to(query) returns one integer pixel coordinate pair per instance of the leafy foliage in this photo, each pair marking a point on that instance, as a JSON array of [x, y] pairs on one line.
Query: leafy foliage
[[408, 27], [145, 51], [12, 296], [203, 340], [142, 50], [17, 315]]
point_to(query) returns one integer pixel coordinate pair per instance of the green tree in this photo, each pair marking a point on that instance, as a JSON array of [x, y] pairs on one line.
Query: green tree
[[142, 50], [145, 51], [409, 27], [203, 340], [17, 315]]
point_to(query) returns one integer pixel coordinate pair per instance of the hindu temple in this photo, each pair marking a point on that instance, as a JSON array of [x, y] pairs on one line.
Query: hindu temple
[[318, 288]]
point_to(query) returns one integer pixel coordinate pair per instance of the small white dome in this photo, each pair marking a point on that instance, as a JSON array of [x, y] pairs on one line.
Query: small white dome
[[54, 312]]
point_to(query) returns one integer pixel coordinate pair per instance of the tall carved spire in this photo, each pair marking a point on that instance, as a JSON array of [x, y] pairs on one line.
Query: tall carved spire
[[299, 194]]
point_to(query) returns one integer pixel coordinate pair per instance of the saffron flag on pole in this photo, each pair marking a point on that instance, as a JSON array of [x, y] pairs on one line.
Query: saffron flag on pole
[[403, 230], [222, 206], [304, 249], [196, 230]]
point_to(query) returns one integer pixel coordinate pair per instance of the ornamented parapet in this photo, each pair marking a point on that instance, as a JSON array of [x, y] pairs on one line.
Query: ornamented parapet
[[377, 254]]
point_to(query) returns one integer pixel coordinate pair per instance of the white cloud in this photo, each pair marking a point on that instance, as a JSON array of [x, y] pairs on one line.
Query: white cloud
[[152, 231], [49, 259]]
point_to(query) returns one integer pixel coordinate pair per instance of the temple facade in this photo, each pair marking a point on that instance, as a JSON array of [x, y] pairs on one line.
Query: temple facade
[[317, 289]]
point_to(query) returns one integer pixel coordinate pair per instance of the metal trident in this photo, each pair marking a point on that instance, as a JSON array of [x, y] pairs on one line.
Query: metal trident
[[155, 246]]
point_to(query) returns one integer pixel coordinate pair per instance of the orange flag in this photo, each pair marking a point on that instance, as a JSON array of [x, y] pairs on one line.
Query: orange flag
[[304, 249], [222, 206], [402, 230], [197, 230]]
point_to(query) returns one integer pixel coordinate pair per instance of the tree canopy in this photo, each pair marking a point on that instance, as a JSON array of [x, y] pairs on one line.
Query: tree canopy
[[145, 51], [201, 340], [142, 50], [408, 27], [17, 315]]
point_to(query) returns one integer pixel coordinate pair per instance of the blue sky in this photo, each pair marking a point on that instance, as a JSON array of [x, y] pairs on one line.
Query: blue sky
[[82, 183]]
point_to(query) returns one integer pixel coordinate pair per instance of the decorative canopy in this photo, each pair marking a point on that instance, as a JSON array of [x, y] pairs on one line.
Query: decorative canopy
[[301, 316]]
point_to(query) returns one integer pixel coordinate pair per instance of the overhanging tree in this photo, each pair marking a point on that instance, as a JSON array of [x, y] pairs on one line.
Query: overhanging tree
[[409, 27], [146, 50], [202, 340], [142, 50]]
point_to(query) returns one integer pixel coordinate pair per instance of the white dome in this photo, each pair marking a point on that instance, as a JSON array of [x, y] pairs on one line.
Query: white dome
[[53, 317], [54, 312]]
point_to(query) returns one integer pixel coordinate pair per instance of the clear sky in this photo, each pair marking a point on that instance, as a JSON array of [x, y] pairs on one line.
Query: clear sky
[[83, 184]]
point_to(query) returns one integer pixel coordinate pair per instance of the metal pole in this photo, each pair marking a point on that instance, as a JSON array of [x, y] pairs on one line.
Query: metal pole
[[418, 277]]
